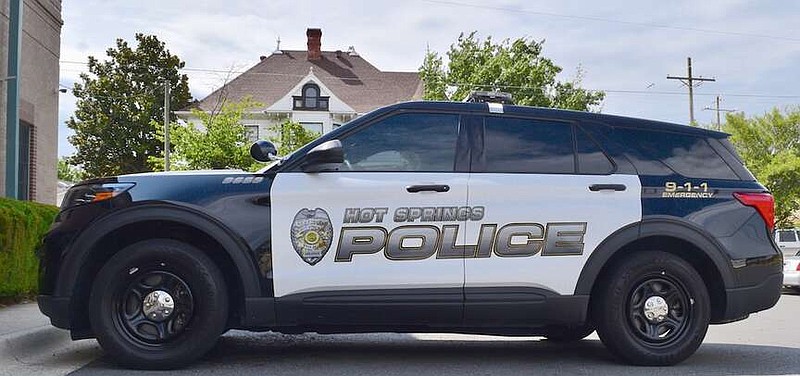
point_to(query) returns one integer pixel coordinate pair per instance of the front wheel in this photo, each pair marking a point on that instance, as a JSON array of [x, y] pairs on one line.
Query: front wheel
[[158, 304], [652, 309]]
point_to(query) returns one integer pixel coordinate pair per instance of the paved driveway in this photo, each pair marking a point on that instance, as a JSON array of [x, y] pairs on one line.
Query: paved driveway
[[767, 343]]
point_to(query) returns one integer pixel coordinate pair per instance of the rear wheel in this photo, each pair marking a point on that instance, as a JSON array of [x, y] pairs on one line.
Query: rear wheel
[[652, 309], [158, 304]]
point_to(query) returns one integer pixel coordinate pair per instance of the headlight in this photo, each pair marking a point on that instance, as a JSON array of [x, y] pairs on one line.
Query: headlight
[[91, 193]]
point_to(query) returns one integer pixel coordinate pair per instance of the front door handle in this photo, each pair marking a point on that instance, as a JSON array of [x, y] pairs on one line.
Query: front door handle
[[607, 187], [428, 188]]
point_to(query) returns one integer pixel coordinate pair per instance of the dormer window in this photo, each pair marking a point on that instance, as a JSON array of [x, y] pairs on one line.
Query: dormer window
[[311, 100]]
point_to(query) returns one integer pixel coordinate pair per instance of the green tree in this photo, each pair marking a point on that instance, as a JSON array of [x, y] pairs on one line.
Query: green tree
[[513, 66], [221, 142], [770, 147], [68, 172], [117, 104], [290, 136]]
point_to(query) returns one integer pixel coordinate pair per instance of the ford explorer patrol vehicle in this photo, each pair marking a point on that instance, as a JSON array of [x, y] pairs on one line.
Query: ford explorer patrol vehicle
[[426, 217]]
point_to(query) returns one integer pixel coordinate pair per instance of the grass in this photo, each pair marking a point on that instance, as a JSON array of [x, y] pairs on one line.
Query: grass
[[22, 226]]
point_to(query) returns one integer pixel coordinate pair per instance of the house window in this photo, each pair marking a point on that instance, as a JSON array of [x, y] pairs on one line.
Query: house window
[[251, 131], [313, 127], [25, 148], [311, 100]]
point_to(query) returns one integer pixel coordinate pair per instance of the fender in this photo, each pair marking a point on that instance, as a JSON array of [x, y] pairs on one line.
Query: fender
[[653, 226], [79, 250]]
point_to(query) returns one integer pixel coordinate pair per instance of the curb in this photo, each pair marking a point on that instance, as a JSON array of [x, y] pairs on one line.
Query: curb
[[44, 350]]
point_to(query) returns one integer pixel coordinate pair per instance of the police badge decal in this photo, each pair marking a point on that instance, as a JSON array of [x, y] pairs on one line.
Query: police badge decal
[[312, 233]]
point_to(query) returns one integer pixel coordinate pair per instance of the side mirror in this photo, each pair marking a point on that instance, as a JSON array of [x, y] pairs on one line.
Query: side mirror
[[264, 151], [326, 156]]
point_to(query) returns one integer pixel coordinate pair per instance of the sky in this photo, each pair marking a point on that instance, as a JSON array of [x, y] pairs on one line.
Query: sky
[[627, 48]]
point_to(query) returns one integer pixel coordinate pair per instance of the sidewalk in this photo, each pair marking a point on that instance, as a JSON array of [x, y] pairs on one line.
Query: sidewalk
[[30, 345]]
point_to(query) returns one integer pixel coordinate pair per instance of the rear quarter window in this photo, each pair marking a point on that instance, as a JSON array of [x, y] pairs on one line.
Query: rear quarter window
[[661, 153]]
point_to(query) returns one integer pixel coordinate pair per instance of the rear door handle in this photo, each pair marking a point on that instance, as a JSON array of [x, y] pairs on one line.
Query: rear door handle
[[607, 187], [428, 188]]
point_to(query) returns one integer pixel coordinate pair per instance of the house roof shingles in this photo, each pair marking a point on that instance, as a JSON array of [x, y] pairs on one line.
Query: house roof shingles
[[350, 78]]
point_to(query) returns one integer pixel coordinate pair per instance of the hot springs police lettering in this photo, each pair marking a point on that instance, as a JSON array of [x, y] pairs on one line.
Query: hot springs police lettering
[[421, 241], [415, 214]]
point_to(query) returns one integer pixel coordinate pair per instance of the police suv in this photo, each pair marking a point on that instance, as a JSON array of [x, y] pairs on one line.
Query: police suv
[[426, 217]]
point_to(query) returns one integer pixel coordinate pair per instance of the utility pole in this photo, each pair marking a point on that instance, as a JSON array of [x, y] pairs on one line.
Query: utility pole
[[166, 124], [690, 82], [12, 98], [718, 110]]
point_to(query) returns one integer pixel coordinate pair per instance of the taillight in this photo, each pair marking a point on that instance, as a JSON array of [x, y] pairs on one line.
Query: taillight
[[764, 204], [798, 267]]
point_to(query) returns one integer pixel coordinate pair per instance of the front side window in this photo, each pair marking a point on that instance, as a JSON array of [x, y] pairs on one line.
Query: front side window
[[514, 145], [404, 142]]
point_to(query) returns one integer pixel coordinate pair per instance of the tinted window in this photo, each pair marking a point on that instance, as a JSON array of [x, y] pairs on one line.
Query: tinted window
[[661, 153], [404, 142], [524, 145], [786, 236], [591, 159]]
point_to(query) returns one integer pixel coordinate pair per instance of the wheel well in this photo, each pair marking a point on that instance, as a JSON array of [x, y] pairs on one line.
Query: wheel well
[[683, 249], [129, 234]]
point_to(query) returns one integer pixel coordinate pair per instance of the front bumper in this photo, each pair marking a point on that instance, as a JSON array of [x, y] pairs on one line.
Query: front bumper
[[56, 308]]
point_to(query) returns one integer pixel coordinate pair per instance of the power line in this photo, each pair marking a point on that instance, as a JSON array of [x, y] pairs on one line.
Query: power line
[[609, 20], [492, 86], [623, 91], [222, 71]]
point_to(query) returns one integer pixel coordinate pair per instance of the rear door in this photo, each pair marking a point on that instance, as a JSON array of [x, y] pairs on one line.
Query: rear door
[[358, 246], [550, 196]]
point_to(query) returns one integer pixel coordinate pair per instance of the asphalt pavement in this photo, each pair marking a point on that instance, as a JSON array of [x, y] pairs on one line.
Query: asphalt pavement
[[768, 343]]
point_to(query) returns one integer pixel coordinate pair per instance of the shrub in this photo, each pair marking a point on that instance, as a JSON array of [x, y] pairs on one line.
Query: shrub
[[22, 226]]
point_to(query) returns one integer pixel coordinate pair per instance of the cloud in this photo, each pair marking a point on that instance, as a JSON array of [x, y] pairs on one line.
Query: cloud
[[616, 52]]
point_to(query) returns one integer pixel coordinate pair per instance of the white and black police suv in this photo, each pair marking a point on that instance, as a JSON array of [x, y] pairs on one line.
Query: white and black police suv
[[426, 217]]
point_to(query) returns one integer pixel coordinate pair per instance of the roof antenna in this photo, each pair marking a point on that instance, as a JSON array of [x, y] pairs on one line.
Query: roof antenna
[[278, 47]]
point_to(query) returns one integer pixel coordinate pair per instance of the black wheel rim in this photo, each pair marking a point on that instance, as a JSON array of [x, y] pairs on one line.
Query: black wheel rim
[[662, 330], [129, 310]]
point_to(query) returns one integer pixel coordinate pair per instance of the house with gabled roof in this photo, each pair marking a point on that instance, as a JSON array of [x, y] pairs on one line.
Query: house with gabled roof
[[319, 89]]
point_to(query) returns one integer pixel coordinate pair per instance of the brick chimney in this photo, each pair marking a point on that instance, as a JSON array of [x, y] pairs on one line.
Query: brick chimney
[[314, 44]]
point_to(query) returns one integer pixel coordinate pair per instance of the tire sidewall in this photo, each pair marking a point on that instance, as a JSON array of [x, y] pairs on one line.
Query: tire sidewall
[[209, 299], [613, 323]]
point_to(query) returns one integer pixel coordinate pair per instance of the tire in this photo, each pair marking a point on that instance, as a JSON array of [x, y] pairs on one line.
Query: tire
[[621, 318], [568, 334], [149, 334]]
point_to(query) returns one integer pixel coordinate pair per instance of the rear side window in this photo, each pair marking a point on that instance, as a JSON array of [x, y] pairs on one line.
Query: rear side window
[[591, 159], [787, 236], [527, 145], [661, 153]]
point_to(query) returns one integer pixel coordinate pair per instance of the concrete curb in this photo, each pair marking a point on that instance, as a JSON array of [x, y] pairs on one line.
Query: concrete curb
[[36, 347]]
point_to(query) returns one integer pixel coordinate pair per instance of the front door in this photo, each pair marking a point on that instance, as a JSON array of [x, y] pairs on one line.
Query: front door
[[359, 246]]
